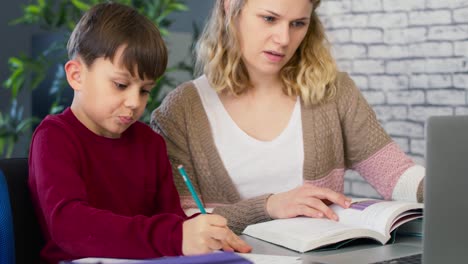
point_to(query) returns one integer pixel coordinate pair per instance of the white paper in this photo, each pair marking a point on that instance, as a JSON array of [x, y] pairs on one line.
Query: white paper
[[271, 259]]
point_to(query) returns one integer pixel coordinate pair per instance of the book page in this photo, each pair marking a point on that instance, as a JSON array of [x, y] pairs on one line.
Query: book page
[[270, 259], [304, 233], [379, 215]]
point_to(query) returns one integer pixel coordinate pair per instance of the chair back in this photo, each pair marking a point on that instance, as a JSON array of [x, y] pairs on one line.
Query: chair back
[[7, 241], [27, 234]]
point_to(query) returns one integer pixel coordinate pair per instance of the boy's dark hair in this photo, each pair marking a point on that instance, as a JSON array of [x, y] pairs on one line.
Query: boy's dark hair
[[107, 26]]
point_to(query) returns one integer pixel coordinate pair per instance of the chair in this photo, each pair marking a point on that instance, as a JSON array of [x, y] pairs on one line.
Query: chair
[[7, 242], [28, 240]]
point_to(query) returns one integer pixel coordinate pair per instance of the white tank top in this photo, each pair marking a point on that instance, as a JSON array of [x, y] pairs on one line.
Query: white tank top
[[255, 167]]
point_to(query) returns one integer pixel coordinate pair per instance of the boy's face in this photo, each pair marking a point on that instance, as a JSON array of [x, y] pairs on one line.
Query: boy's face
[[107, 98]]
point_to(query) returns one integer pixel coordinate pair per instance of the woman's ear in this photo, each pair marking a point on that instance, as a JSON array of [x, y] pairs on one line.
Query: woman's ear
[[74, 70]]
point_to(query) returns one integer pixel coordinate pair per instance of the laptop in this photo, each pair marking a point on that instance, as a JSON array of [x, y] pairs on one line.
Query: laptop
[[445, 238], [446, 185]]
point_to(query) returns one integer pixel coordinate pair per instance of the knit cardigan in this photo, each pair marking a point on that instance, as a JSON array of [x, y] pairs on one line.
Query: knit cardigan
[[342, 133]]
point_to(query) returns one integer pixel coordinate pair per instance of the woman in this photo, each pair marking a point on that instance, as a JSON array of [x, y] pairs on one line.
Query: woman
[[271, 126]]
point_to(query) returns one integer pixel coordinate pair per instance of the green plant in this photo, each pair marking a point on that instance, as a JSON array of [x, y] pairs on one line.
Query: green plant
[[61, 16]]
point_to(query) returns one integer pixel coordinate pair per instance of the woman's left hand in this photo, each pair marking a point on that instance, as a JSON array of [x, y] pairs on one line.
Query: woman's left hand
[[306, 200]]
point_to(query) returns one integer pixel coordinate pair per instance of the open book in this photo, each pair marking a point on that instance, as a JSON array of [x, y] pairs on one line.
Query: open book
[[365, 218]]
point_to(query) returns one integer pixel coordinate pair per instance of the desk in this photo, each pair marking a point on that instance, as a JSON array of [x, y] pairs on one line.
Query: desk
[[358, 253]]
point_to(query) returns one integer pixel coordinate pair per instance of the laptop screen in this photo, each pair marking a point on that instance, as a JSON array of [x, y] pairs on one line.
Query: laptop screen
[[446, 188]]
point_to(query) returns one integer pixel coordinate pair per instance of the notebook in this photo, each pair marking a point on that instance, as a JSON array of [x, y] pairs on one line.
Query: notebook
[[216, 257]]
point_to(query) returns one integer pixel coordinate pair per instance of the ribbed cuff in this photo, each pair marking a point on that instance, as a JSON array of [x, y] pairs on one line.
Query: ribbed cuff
[[176, 239], [245, 213]]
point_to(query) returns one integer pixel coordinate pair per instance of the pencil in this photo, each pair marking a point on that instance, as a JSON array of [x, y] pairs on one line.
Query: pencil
[[191, 189]]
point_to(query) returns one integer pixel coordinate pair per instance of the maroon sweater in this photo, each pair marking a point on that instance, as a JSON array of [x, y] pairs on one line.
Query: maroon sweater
[[103, 197]]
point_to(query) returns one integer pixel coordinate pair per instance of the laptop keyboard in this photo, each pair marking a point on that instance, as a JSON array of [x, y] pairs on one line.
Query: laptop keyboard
[[413, 259]]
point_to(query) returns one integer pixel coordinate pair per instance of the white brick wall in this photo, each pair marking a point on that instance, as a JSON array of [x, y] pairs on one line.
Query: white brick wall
[[410, 60]]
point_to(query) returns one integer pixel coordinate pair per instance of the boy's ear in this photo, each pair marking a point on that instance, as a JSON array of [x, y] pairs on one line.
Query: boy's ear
[[74, 69]]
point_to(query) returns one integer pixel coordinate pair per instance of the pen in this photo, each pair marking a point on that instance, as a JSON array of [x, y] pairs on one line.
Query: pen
[[190, 187]]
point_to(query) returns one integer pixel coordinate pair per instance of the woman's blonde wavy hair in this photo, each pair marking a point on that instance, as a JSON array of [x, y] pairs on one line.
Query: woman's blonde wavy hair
[[310, 73]]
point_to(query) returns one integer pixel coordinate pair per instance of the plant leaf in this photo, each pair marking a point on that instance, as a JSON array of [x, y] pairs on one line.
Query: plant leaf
[[81, 5], [178, 7], [2, 145], [10, 146], [26, 124]]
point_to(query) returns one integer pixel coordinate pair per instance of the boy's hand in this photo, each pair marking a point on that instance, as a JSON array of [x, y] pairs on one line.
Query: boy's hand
[[306, 200], [204, 234], [235, 243]]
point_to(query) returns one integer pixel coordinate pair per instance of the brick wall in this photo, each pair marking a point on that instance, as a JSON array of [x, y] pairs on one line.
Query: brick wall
[[410, 60]]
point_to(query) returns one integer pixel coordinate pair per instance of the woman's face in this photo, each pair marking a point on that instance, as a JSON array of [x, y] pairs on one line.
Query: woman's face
[[270, 31]]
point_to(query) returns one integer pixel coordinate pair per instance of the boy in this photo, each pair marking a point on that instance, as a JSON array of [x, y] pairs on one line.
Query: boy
[[101, 180]]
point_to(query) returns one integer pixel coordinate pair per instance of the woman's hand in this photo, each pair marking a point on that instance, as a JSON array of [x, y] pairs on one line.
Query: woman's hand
[[306, 200]]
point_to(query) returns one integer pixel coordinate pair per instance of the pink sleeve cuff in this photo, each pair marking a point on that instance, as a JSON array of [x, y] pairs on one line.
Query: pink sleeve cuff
[[383, 169]]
